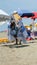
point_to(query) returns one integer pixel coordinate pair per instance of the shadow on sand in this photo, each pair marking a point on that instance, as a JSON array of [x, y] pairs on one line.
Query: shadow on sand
[[16, 46]]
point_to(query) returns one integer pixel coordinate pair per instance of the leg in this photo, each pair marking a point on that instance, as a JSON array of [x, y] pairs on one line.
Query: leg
[[16, 41], [20, 42]]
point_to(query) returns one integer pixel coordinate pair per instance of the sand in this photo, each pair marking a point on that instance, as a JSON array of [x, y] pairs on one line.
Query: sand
[[25, 54], [3, 34]]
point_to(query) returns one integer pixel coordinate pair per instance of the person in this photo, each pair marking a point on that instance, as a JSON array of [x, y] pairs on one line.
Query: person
[[12, 35], [29, 32], [12, 29], [22, 33]]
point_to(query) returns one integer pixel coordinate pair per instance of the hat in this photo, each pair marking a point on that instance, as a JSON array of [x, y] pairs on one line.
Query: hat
[[15, 12]]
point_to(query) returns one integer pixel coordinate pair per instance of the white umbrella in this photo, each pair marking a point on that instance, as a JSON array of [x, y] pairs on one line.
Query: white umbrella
[[4, 16]]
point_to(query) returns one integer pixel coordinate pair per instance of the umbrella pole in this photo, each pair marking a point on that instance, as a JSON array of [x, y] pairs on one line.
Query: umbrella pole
[[33, 29]]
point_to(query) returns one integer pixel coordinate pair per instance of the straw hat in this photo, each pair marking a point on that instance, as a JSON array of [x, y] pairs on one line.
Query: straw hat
[[14, 12]]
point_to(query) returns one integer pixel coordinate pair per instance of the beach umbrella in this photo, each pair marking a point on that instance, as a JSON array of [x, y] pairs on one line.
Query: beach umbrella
[[4, 16], [25, 13], [35, 16]]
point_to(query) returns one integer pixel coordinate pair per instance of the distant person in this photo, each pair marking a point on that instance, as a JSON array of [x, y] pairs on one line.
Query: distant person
[[29, 32]]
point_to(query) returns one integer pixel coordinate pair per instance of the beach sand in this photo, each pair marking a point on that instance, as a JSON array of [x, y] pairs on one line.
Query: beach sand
[[3, 34], [25, 54]]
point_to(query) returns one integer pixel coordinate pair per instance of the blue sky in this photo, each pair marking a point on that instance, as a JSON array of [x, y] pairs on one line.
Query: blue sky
[[10, 5]]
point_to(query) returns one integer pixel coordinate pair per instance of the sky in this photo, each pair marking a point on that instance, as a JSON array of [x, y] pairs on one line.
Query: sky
[[10, 5]]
